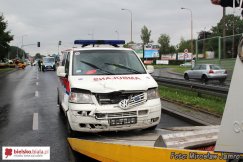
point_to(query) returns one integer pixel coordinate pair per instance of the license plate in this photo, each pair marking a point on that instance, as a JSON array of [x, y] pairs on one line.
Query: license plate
[[123, 121]]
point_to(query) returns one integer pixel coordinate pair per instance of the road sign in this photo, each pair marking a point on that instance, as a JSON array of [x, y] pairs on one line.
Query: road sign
[[185, 50], [186, 55]]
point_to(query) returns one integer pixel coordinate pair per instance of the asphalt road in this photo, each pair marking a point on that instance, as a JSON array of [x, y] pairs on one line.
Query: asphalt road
[[27, 92]]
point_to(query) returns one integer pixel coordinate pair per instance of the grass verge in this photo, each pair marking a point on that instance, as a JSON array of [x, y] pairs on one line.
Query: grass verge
[[6, 70], [207, 103], [175, 68]]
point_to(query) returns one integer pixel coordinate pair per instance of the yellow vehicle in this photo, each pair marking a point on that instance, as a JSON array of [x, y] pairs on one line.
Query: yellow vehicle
[[21, 65]]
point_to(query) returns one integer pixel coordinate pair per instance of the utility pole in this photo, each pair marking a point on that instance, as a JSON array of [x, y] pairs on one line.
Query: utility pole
[[183, 8], [130, 11], [224, 33], [233, 41]]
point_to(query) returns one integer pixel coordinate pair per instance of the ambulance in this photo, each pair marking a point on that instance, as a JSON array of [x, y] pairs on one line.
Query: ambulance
[[105, 87]]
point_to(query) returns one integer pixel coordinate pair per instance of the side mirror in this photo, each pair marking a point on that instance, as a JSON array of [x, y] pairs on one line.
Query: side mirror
[[150, 69], [61, 71]]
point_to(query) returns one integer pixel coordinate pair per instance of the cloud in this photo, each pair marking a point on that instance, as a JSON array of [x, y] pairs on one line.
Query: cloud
[[50, 21]]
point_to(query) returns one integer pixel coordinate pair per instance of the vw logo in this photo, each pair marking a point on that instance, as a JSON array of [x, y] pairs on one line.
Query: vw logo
[[124, 104]]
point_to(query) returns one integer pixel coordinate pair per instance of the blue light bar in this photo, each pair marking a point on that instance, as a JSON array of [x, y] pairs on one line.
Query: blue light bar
[[110, 42]]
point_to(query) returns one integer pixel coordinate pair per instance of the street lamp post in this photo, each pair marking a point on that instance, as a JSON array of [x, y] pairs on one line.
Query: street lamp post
[[92, 35], [191, 27], [204, 37], [131, 19], [23, 45], [117, 34], [59, 43]]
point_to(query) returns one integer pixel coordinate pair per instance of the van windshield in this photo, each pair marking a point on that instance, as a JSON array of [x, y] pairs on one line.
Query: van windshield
[[48, 60], [106, 62]]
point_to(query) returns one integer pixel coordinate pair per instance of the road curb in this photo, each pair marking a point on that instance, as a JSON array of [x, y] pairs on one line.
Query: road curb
[[174, 73], [8, 72], [185, 117]]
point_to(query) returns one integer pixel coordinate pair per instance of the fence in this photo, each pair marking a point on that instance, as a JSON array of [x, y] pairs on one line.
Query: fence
[[218, 50]]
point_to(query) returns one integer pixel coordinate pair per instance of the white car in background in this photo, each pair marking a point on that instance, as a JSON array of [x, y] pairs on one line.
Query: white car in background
[[206, 72], [186, 64]]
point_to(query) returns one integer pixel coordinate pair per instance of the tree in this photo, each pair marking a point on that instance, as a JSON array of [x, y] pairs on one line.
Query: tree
[[233, 25], [145, 35], [15, 52], [5, 38], [164, 41], [37, 56], [184, 44]]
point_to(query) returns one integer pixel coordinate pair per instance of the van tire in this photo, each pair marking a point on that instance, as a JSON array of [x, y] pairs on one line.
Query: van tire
[[71, 133], [59, 104], [151, 128], [58, 100]]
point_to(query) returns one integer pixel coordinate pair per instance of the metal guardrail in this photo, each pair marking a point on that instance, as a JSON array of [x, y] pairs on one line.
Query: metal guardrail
[[220, 91]]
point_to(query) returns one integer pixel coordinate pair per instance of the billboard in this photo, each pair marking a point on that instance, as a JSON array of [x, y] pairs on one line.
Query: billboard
[[148, 53], [179, 56]]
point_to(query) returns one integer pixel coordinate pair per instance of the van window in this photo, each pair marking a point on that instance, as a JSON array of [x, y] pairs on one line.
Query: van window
[[64, 59], [67, 63], [106, 62], [48, 59]]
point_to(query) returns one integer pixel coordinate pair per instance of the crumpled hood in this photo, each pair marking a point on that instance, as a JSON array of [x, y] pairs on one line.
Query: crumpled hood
[[112, 83]]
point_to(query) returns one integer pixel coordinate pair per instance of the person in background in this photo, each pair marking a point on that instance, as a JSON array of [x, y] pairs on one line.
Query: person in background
[[39, 65]]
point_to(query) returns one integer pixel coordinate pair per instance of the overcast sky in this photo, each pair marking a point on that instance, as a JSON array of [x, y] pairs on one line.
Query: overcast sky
[[50, 21]]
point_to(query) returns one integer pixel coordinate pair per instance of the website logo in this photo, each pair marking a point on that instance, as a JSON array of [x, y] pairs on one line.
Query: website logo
[[8, 152], [25, 153]]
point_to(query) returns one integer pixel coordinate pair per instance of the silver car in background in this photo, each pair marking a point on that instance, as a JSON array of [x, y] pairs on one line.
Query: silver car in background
[[206, 72]]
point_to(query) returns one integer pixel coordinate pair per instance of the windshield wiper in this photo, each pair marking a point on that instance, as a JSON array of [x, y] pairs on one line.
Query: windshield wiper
[[124, 67], [96, 67]]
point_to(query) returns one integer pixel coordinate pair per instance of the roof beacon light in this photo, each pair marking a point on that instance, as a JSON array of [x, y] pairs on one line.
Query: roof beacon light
[[93, 42]]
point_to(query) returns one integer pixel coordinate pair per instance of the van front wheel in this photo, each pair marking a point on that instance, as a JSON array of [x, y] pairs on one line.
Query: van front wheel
[[151, 128], [71, 133]]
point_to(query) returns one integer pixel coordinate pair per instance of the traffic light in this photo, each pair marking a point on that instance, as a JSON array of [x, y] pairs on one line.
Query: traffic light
[[38, 44], [60, 43]]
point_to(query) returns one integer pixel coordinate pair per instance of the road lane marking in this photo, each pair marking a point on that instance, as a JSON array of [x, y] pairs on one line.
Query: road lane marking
[[35, 121], [37, 83], [36, 93]]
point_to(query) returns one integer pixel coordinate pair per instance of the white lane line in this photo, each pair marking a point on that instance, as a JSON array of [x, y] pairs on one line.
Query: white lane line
[[36, 93], [37, 83], [35, 121]]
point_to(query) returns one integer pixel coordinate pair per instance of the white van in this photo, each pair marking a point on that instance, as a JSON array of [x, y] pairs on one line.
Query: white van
[[49, 63], [106, 89]]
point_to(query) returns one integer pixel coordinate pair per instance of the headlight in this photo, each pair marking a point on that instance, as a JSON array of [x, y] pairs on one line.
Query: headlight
[[82, 98], [152, 93]]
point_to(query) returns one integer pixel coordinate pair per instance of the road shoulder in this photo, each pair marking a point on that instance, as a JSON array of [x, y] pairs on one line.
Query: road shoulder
[[188, 114]]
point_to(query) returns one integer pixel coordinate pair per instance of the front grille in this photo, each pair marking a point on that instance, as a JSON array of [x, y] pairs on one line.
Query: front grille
[[116, 97], [115, 115], [136, 100]]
